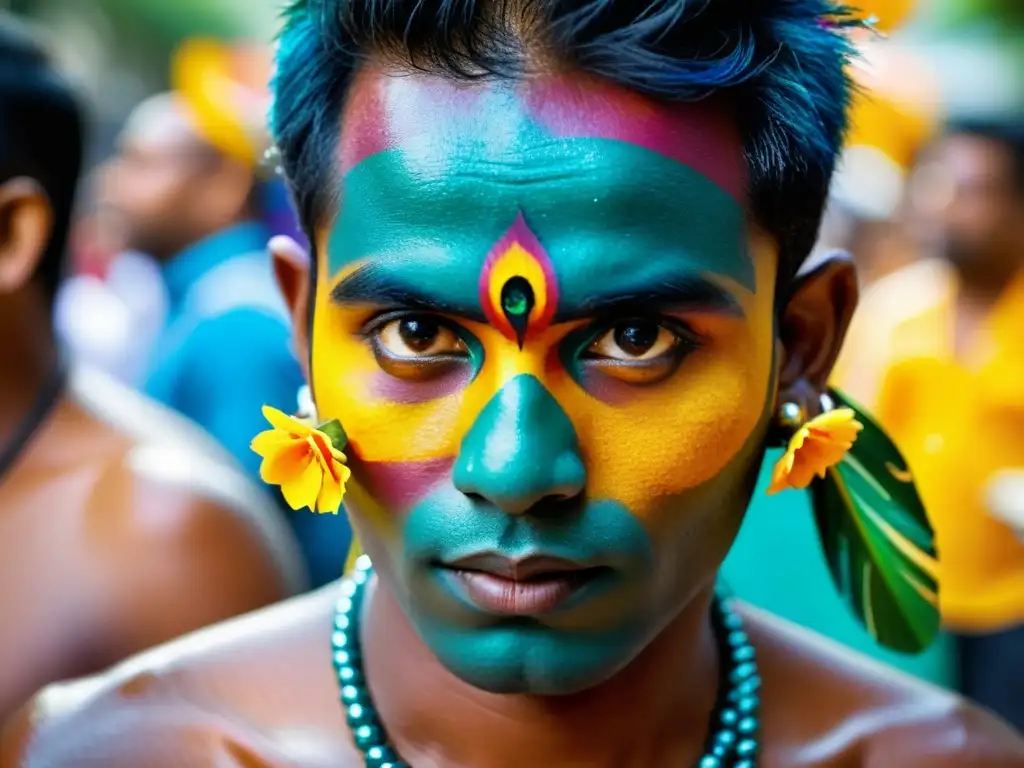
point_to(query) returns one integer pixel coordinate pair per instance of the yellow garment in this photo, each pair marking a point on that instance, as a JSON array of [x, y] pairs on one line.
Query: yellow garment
[[957, 424], [226, 91], [887, 14], [894, 108]]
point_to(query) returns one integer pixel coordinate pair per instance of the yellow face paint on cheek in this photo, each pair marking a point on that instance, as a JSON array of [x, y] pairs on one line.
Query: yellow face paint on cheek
[[346, 378], [676, 435], [351, 387], [660, 442]]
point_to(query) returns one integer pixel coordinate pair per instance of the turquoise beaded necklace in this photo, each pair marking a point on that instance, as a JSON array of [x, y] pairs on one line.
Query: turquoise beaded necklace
[[733, 740]]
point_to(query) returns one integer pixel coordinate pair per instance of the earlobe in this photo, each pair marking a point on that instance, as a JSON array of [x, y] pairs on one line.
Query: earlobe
[[812, 328], [26, 221], [291, 267]]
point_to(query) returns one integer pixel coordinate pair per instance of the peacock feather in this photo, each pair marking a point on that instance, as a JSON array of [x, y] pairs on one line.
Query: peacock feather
[[877, 539]]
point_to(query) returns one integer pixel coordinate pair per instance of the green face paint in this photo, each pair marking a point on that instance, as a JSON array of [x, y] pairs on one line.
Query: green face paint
[[554, 654], [525, 459], [601, 208]]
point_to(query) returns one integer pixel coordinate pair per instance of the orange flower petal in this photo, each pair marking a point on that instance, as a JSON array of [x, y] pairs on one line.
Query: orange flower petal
[[797, 440], [779, 476], [321, 443], [818, 445], [803, 472], [282, 421], [834, 418], [344, 474], [302, 491], [303, 461], [271, 442], [286, 464], [331, 492]]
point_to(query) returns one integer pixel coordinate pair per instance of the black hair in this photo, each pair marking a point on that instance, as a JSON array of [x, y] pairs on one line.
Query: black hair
[[41, 134], [782, 64], [1009, 134]]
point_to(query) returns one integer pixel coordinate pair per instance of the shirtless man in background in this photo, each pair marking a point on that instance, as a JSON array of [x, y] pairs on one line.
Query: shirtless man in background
[[120, 524]]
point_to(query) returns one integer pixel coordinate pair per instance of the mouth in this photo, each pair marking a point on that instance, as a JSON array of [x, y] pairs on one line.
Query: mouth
[[523, 587]]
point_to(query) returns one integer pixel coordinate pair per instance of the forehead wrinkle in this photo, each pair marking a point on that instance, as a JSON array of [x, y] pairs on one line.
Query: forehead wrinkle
[[702, 135], [610, 203], [430, 117]]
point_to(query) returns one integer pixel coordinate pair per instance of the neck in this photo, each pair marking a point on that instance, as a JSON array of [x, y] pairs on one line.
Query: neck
[[654, 712], [27, 352]]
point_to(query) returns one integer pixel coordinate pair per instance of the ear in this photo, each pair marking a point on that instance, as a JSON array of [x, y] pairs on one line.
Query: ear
[[812, 328], [291, 267], [26, 220]]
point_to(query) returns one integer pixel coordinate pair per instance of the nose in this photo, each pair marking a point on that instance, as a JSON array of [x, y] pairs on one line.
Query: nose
[[522, 449]]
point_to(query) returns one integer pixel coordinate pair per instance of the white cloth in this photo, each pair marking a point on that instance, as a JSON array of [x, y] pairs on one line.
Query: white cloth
[[113, 324]]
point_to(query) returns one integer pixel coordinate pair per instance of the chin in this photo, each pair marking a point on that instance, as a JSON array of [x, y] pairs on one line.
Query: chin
[[525, 657]]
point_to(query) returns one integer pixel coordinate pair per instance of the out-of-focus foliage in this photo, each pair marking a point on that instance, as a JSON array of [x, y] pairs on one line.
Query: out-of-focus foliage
[[1004, 14], [182, 18], [165, 22]]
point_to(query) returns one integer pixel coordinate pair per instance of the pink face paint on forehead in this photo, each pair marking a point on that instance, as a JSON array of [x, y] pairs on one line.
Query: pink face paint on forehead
[[365, 130], [386, 110], [702, 136]]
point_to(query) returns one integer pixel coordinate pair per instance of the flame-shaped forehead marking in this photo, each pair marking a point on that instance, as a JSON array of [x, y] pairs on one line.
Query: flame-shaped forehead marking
[[518, 291]]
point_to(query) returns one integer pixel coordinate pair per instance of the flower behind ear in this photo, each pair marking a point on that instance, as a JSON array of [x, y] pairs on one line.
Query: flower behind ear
[[819, 444], [305, 461]]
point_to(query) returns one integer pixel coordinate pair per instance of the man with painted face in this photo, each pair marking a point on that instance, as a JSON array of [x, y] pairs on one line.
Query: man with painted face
[[553, 305], [120, 528]]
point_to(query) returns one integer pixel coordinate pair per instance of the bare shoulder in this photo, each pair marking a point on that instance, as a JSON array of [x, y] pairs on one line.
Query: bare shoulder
[[825, 705], [227, 695], [190, 487]]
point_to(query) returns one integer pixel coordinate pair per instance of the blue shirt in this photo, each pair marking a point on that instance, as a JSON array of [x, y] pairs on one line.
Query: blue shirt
[[226, 352]]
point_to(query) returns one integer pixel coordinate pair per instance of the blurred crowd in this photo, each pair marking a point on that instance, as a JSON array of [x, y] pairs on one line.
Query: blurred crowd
[[171, 289], [171, 333]]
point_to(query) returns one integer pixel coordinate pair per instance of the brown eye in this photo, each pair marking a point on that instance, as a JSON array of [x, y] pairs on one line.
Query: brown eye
[[634, 341], [417, 347], [640, 350], [418, 337]]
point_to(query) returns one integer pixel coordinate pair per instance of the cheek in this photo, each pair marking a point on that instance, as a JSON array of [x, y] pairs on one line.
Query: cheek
[[386, 420], [677, 436], [401, 445], [647, 445]]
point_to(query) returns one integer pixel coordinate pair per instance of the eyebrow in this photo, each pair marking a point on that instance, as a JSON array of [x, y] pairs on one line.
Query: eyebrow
[[370, 284], [678, 292]]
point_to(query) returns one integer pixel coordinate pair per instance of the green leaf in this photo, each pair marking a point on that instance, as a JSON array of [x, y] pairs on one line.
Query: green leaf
[[334, 430], [878, 541]]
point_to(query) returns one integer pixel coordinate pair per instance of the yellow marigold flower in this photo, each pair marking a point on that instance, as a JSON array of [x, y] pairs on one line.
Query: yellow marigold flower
[[819, 444], [304, 461]]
